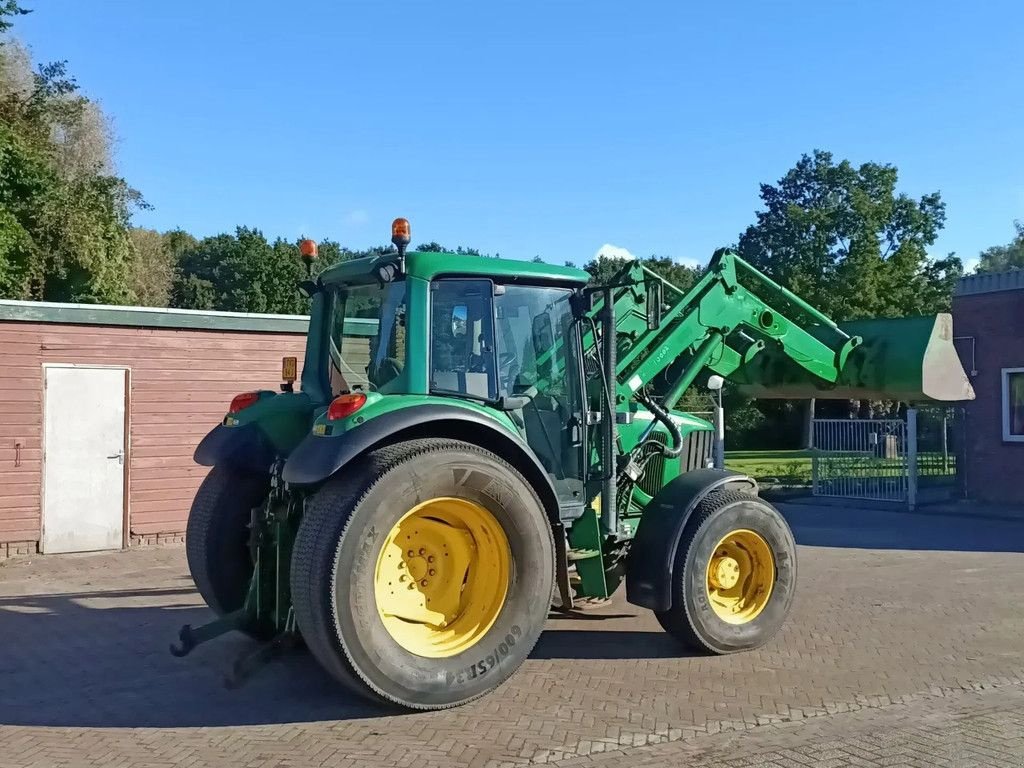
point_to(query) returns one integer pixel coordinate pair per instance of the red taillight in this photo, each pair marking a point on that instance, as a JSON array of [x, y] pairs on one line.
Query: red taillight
[[243, 401], [345, 405]]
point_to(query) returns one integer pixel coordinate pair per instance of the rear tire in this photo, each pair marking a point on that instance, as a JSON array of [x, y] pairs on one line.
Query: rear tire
[[734, 575], [346, 590], [216, 538]]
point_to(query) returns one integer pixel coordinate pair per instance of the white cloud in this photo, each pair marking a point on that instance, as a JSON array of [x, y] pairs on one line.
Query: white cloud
[[614, 252], [971, 264], [618, 252], [356, 218], [691, 263]]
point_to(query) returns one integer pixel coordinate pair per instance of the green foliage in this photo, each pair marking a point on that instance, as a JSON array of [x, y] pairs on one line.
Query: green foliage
[[435, 247], [63, 216], [604, 268], [8, 9], [240, 273], [153, 268], [843, 239], [1001, 258]]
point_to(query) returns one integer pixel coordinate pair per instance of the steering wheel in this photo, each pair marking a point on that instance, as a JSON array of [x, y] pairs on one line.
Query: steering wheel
[[388, 369]]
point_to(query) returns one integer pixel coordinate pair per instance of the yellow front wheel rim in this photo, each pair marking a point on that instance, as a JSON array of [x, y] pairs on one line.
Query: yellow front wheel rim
[[442, 577], [740, 576]]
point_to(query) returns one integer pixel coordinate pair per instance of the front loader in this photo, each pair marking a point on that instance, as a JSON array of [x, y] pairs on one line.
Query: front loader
[[475, 440]]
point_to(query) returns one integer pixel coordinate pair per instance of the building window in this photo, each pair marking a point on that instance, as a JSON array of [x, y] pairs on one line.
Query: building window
[[1013, 405]]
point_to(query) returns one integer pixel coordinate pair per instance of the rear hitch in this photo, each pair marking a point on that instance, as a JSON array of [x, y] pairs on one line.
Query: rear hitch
[[189, 638]]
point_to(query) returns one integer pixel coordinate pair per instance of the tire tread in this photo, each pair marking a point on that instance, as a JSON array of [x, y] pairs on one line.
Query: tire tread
[[325, 521], [679, 623]]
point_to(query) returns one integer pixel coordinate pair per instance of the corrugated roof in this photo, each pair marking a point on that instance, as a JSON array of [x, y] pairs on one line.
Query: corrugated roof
[[990, 283]]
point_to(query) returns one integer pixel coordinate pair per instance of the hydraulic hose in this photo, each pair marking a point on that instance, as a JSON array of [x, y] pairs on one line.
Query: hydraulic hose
[[661, 415]]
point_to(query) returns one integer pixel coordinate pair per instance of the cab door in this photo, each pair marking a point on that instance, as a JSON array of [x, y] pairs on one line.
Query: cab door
[[537, 344]]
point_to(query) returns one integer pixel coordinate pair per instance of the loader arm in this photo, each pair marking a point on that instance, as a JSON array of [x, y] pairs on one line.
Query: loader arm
[[742, 325]]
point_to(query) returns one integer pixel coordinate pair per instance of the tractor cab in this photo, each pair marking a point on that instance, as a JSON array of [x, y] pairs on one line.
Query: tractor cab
[[475, 331]]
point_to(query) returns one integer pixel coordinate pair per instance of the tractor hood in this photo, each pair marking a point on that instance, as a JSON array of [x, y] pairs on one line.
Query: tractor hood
[[909, 359]]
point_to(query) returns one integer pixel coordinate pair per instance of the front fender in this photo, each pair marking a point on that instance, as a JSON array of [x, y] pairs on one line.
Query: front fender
[[652, 554]]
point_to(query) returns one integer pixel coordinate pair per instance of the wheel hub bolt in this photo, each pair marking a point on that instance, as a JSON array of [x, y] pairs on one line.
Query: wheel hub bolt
[[422, 551], [431, 572], [423, 583], [430, 559], [725, 572]]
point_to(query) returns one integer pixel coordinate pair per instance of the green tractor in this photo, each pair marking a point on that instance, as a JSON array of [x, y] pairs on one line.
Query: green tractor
[[476, 440]]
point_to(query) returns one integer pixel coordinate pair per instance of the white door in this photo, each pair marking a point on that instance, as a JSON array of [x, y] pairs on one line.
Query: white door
[[83, 459]]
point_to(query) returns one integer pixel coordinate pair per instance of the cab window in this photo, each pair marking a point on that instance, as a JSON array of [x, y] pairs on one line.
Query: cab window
[[461, 338]]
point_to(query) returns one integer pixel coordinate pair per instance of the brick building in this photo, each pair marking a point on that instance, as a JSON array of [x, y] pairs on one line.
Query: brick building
[[988, 312], [101, 409]]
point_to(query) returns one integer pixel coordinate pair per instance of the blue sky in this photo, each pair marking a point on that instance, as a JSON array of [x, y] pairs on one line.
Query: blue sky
[[546, 128]]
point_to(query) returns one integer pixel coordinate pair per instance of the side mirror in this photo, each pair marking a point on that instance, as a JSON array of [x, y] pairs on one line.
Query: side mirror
[[308, 288], [543, 336], [459, 315], [654, 301]]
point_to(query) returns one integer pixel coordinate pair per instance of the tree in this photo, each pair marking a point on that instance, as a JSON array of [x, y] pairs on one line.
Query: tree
[[64, 216], [242, 272], [1001, 258], [603, 270], [153, 268], [842, 238], [9, 9]]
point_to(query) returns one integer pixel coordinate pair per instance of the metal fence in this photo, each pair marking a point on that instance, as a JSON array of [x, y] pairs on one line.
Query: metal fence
[[864, 459], [940, 442]]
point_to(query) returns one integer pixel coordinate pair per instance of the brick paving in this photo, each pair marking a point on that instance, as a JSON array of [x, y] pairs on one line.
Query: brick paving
[[891, 657]]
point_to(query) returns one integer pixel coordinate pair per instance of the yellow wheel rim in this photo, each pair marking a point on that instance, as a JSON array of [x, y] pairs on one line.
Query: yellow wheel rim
[[740, 576], [442, 577]]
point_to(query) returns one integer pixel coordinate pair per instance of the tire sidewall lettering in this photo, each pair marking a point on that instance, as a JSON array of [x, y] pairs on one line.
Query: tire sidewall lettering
[[464, 474]]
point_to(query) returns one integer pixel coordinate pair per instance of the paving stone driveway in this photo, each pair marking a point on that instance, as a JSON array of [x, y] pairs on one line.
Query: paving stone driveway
[[887, 651]]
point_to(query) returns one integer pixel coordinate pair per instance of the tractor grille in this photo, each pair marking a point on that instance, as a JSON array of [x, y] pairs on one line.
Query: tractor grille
[[696, 454], [650, 481], [696, 450]]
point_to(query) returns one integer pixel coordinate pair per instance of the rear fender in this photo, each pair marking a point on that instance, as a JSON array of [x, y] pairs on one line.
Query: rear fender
[[652, 554], [242, 447], [317, 457], [253, 438]]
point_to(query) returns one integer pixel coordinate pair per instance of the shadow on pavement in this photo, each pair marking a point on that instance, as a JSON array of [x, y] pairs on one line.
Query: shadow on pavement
[[92, 659], [852, 527], [607, 644]]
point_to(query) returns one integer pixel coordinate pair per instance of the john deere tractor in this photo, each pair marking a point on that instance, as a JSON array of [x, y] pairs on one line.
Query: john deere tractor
[[475, 440]]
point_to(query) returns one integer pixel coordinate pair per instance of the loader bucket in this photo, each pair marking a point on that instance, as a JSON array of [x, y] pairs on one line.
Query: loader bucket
[[909, 359]]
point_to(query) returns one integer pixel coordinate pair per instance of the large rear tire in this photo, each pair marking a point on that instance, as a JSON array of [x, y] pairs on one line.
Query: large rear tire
[[734, 575], [422, 575], [216, 538]]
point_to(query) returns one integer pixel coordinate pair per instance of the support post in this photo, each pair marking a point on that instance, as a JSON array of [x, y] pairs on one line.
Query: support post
[[719, 437], [945, 443], [911, 458]]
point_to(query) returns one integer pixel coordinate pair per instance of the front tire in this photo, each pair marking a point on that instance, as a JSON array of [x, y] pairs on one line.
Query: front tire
[[734, 575], [422, 575]]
